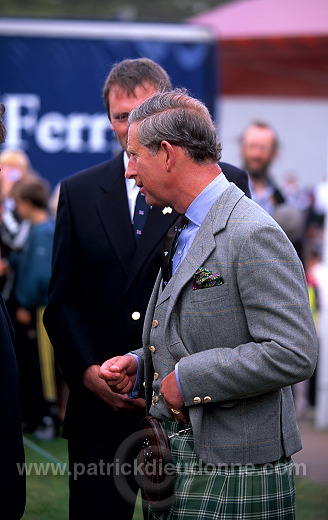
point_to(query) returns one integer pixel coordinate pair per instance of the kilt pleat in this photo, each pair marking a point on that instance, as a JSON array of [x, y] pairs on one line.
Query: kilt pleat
[[227, 492]]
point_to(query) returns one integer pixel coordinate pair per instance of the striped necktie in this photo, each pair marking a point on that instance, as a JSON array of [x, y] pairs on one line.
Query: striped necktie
[[169, 247], [140, 215]]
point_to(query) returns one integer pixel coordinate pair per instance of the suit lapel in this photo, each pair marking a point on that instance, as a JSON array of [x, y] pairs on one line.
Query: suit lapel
[[203, 245], [113, 210], [153, 233]]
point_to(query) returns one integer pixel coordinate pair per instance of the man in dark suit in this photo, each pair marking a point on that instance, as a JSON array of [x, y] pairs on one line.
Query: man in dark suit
[[103, 275], [13, 489]]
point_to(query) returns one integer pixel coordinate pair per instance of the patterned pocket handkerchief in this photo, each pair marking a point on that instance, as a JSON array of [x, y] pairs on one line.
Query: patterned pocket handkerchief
[[204, 278]]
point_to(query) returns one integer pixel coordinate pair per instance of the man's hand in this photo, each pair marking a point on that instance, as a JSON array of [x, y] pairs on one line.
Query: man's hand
[[173, 398], [99, 387], [119, 373]]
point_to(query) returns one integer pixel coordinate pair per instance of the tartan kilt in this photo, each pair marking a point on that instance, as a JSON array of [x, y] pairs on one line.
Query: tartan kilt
[[235, 492]]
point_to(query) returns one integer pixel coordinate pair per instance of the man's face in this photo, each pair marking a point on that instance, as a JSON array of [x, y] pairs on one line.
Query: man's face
[[121, 104], [149, 171], [258, 151], [9, 175]]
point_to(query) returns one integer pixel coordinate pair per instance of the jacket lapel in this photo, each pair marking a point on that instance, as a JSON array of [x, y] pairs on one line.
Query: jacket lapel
[[153, 233], [203, 245], [113, 210]]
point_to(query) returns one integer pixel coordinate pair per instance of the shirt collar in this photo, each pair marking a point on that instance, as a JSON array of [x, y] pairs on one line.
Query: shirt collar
[[131, 186], [125, 160], [199, 207]]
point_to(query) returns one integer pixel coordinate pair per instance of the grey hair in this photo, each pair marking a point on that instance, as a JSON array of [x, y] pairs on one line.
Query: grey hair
[[179, 119]]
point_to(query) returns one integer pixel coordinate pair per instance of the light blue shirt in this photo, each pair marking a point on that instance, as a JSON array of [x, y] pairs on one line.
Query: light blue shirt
[[265, 199], [196, 213]]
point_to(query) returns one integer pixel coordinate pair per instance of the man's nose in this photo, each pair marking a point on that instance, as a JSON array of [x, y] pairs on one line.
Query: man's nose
[[129, 172]]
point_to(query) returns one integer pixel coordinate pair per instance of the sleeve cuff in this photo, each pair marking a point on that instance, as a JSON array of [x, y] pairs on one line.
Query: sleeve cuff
[[134, 392], [176, 370]]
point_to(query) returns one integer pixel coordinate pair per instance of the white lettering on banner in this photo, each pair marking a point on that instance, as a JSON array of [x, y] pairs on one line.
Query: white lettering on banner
[[50, 132], [21, 115], [54, 132]]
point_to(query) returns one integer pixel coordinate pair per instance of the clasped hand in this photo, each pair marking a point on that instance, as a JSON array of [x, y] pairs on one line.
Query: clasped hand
[[120, 374]]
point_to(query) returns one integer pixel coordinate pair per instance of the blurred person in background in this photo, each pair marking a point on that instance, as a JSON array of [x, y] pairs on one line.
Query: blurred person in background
[[305, 391], [32, 267], [295, 195], [317, 277], [258, 149], [259, 146], [16, 164], [13, 481], [13, 230]]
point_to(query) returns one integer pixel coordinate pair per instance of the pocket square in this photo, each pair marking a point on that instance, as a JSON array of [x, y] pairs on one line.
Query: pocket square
[[204, 278]]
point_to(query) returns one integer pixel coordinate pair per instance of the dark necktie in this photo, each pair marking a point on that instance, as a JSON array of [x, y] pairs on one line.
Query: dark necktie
[[169, 246], [140, 215]]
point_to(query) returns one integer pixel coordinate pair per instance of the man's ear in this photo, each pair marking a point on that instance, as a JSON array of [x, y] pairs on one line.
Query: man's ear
[[169, 154]]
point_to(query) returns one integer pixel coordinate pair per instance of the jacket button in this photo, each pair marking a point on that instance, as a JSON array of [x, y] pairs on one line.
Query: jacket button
[[155, 376], [207, 399], [135, 315], [155, 323], [155, 399], [197, 400], [152, 349]]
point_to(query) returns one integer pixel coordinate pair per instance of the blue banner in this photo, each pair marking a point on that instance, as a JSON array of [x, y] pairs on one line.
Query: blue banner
[[52, 89]]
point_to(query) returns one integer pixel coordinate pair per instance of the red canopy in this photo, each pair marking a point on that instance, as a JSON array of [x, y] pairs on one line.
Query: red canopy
[[271, 47], [263, 18]]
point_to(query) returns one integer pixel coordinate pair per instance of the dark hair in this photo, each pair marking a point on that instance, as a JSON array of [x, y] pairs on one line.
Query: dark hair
[[128, 74], [181, 120], [2, 125], [33, 189]]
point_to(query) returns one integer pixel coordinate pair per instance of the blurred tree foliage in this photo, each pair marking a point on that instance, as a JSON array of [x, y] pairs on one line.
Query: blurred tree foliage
[[108, 10]]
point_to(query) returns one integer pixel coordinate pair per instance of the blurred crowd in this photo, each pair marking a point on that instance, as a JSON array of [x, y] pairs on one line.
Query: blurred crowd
[[28, 212], [28, 209]]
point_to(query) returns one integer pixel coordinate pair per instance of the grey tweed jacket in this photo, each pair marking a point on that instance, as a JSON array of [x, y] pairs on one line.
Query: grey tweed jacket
[[240, 344]]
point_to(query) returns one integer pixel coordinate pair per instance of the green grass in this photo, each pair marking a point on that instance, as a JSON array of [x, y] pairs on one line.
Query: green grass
[[311, 500], [47, 495]]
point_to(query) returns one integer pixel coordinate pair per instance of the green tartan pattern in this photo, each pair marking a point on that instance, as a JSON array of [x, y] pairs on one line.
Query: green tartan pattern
[[235, 492]]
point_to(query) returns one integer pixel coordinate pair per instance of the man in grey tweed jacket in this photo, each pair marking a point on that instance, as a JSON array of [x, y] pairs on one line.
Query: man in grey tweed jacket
[[227, 335]]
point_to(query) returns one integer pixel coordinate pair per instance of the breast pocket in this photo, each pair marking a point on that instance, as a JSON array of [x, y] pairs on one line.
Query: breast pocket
[[210, 293]]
